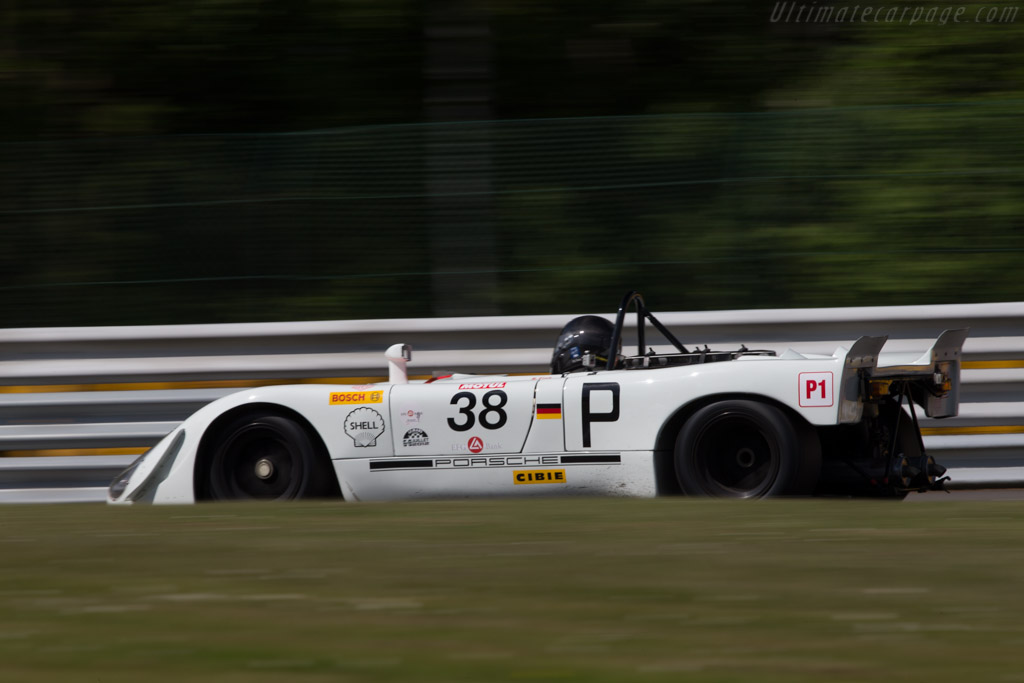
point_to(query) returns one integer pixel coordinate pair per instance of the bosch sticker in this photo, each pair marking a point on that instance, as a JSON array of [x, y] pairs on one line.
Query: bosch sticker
[[343, 398], [815, 389], [364, 425]]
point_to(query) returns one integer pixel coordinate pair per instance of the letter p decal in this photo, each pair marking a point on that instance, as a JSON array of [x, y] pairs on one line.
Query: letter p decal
[[607, 416]]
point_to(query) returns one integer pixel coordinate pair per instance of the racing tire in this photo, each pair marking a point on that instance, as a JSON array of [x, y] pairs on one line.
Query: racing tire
[[746, 449], [267, 457]]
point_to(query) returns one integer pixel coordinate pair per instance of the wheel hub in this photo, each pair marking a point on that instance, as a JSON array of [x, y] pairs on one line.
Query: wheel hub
[[745, 457], [264, 468]]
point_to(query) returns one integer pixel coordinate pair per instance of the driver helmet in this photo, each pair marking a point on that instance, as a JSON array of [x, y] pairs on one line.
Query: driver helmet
[[587, 334]]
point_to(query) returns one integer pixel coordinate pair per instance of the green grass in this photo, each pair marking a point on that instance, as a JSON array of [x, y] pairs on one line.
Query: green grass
[[567, 590]]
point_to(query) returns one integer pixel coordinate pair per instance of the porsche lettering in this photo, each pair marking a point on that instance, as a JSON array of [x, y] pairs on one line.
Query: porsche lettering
[[493, 461]]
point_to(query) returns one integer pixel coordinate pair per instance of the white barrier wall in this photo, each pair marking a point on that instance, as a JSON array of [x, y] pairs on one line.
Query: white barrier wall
[[114, 391]]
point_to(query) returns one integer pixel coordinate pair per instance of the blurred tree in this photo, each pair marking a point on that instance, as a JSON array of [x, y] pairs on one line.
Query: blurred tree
[[206, 160]]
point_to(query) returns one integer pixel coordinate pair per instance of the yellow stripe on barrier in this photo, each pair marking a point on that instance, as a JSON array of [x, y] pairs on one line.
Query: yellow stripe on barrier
[[58, 452], [991, 364], [139, 450], [194, 384], [980, 429], [207, 384]]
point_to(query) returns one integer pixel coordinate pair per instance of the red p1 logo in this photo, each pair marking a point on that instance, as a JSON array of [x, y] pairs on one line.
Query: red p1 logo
[[815, 389]]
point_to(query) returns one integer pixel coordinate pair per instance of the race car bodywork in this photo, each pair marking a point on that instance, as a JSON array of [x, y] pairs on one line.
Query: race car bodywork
[[732, 424]]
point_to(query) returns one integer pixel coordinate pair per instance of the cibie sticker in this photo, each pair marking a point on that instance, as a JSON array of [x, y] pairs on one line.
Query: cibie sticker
[[344, 398], [538, 476], [364, 425], [815, 389]]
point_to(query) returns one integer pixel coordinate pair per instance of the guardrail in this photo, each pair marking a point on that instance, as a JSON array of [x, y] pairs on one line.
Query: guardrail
[[84, 393]]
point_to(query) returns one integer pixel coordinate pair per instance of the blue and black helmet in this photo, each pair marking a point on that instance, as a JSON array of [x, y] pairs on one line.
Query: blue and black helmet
[[587, 334]]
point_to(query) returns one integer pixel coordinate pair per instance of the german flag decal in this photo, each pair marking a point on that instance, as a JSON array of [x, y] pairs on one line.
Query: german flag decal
[[549, 411]]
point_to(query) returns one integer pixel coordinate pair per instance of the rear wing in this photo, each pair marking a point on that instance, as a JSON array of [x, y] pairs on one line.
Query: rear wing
[[931, 379]]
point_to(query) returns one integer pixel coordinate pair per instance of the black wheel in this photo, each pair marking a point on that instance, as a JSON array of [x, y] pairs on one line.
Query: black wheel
[[266, 457], [745, 449]]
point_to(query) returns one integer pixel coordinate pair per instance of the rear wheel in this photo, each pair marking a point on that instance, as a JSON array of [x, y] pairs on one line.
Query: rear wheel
[[745, 449], [266, 457]]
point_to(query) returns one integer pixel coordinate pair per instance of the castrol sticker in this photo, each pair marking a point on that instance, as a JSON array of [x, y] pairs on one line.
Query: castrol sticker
[[815, 389]]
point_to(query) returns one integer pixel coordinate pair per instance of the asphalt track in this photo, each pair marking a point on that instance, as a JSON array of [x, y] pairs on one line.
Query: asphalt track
[[978, 494]]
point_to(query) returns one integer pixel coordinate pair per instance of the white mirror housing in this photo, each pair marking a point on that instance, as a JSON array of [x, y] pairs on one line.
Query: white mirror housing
[[398, 356]]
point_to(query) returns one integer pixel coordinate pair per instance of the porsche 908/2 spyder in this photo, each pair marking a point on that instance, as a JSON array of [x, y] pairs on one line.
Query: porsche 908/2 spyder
[[743, 423]]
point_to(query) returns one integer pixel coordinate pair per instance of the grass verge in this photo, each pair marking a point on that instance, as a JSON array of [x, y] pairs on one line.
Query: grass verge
[[570, 590]]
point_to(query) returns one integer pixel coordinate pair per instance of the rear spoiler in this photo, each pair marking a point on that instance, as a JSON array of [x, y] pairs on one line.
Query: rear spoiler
[[935, 375]]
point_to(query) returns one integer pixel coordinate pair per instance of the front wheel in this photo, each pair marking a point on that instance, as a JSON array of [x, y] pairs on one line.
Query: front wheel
[[266, 457], [745, 449]]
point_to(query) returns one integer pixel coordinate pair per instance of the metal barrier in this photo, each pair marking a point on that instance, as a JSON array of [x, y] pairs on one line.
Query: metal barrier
[[83, 394]]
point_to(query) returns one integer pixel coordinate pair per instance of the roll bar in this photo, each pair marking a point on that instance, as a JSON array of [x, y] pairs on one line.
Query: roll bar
[[642, 314]]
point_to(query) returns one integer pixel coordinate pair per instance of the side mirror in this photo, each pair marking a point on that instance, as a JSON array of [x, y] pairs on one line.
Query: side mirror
[[398, 355]]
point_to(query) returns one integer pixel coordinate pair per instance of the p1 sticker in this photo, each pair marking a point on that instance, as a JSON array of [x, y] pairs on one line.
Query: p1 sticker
[[815, 389]]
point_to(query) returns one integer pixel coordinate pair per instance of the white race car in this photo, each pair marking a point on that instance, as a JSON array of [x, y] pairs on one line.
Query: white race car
[[742, 423]]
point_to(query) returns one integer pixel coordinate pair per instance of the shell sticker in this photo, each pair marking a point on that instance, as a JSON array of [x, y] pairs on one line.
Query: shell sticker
[[364, 425]]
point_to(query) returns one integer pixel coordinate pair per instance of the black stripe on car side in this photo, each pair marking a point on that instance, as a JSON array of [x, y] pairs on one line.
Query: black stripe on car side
[[400, 464], [589, 459], [564, 460]]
